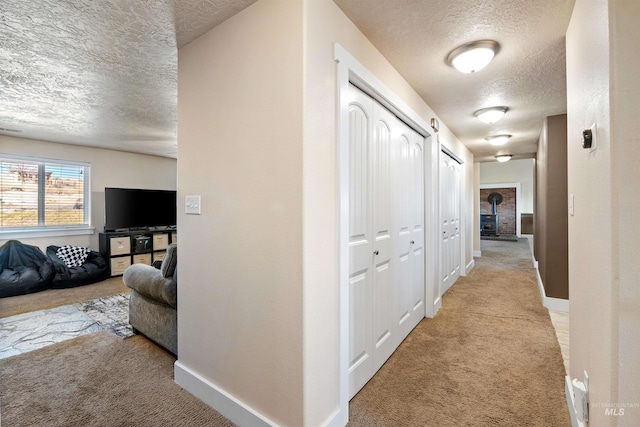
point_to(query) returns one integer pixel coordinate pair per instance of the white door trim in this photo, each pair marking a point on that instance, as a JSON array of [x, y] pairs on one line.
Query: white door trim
[[517, 186], [350, 70]]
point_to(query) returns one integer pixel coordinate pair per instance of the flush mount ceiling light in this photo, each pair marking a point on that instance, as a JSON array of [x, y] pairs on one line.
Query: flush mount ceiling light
[[474, 56], [504, 158], [498, 139], [490, 115]]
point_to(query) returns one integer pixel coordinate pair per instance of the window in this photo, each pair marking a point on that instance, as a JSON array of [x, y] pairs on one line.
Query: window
[[42, 194]]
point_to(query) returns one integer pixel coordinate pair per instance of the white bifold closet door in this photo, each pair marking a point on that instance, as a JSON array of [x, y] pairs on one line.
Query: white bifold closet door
[[386, 235], [450, 221]]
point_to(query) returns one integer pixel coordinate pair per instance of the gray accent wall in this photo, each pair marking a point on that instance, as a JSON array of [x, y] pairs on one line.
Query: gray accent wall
[[551, 221]]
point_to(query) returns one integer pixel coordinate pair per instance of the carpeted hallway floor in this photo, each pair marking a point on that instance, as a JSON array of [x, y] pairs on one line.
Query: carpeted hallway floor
[[489, 358]]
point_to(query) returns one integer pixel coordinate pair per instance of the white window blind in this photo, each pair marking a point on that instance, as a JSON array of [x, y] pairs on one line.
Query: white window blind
[[42, 193]]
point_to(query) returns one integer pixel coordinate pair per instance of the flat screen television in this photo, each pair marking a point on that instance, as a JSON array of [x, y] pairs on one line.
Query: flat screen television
[[130, 208]]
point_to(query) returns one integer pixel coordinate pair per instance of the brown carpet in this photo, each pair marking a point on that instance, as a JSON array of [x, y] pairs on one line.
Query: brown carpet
[[56, 297], [489, 358], [98, 380]]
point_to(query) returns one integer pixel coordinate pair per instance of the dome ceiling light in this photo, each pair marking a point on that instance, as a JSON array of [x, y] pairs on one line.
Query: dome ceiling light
[[498, 139], [473, 56], [504, 158], [490, 115]]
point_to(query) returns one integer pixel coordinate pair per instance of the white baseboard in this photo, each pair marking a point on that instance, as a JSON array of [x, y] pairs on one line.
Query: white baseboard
[[477, 254], [556, 304], [232, 408], [437, 304], [335, 420], [469, 267]]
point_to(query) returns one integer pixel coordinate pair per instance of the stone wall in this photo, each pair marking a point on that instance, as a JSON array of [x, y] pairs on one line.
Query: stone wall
[[506, 209]]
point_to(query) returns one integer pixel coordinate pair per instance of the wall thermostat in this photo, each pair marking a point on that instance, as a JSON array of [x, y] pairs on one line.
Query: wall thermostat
[[589, 138]]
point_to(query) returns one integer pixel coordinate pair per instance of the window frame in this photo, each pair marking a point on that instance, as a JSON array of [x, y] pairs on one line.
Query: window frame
[[42, 230]]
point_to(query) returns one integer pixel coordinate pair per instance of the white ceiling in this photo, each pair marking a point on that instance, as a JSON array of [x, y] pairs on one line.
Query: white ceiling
[[104, 72], [101, 73], [527, 75]]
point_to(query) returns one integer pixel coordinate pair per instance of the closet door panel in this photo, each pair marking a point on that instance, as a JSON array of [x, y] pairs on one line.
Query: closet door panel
[[360, 242]]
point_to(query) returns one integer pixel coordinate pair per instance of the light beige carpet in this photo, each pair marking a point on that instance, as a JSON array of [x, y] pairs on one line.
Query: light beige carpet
[[51, 298], [489, 358], [98, 380]]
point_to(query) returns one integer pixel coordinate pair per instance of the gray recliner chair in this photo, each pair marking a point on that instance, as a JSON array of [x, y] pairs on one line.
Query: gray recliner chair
[[153, 304]]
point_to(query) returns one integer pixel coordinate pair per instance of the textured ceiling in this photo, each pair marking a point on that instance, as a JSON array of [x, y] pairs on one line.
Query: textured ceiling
[[101, 73], [527, 75], [104, 72], [194, 18]]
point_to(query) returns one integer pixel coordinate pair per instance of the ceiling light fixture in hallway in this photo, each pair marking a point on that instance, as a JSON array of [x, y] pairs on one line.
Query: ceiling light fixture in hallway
[[473, 56], [490, 115]]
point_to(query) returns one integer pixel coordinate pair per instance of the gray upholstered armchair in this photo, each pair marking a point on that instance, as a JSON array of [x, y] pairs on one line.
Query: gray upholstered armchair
[[153, 304]]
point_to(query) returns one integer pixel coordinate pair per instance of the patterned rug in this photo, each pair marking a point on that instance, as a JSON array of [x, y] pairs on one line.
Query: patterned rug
[[111, 313]]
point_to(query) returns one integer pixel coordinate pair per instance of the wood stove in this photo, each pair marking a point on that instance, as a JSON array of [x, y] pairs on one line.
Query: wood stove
[[489, 222], [489, 225]]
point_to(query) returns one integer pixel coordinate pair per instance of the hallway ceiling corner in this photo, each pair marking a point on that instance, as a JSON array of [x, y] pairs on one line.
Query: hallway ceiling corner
[[527, 75]]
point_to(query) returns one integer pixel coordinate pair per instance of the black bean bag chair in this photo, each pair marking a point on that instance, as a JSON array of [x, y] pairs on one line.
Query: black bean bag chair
[[93, 270], [23, 269]]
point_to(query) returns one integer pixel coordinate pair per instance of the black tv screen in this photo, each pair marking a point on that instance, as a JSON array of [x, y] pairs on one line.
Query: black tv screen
[[127, 208]]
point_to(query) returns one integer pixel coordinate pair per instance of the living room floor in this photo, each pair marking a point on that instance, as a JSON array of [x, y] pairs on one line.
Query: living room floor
[[29, 322], [30, 331]]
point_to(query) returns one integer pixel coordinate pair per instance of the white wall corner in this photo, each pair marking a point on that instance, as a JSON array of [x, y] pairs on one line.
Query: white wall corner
[[229, 406], [477, 254], [469, 267]]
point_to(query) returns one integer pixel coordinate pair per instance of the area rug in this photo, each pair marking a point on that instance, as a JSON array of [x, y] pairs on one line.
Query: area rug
[[111, 313], [501, 238]]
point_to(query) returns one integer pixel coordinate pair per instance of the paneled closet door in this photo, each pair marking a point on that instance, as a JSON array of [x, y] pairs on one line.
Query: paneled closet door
[[381, 193], [409, 229], [386, 236], [370, 239], [361, 242], [450, 221]]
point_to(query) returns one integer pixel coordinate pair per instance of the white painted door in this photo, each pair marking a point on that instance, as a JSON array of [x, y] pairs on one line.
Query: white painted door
[[409, 230], [450, 221], [386, 270]]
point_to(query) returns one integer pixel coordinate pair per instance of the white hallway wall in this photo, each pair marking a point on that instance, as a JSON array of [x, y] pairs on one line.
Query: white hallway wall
[[604, 237], [109, 168]]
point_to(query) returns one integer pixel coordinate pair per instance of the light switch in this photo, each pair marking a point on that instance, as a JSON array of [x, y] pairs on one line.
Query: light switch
[[193, 205]]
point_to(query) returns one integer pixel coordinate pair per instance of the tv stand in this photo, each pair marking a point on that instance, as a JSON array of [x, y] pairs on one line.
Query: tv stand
[[121, 248]]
